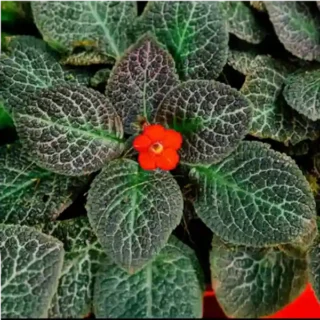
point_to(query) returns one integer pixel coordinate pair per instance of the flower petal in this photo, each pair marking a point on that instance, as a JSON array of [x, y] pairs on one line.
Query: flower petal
[[172, 139], [142, 143], [147, 161], [168, 159], [155, 132]]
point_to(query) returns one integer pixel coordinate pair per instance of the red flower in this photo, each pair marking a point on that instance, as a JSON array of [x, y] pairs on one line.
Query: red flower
[[158, 147]]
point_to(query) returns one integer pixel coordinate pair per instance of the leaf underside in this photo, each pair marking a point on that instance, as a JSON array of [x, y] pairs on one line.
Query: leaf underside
[[133, 212]]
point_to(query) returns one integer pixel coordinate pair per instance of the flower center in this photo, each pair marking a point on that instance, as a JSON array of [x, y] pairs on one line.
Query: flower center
[[157, 148]]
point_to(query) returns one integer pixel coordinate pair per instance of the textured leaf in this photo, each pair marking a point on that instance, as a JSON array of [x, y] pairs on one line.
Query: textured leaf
[[100, 77], [167, 287], [314, 266], [194, 32], [241, 60], [251, 283], [212, 116], [70, 129], [272, 117], [86, 59], [30, 195], [297, 27], [140, 80], [242, 21], [256, 197], [30, 66], [31, 266], [258, 5], [100, 24], [83, 253], [302, 93], [133, 212], [5, 119]]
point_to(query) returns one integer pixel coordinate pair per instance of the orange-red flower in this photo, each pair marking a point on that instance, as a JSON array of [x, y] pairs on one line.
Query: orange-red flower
[[158, 147]]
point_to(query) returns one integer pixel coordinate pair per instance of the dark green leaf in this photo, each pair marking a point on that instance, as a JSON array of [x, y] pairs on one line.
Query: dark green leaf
[[252, 283], [30, 195], [212, 116], [103, 25], [194, 32], [133, 212], [297, 27], [5, 119], [314, 266], [31, 266], [70, 129], [167, 287], [100, 77], [140, 80], [256, 197], [242, 21]]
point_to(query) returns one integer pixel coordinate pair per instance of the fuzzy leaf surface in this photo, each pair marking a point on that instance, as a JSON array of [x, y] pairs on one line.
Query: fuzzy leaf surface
[[31, 266], [212, 116], [71, 130], [252, 283], [194, 32], [168, 287], [133, 212], [140, 80], [103, 25], [30, 195], [297, 27], [256, 197]]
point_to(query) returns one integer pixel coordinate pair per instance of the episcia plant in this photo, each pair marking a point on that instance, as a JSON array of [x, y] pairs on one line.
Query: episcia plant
[[117, 116]]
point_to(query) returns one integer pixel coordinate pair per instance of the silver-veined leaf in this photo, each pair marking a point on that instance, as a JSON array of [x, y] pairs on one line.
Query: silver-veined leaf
[[212, 117], [168, 287], [70, 129], [256, 197], [252, 283], [241, 60], [133, 212], [140, 80], [31, 263], [194, 32], [30, 195], [103, 25]]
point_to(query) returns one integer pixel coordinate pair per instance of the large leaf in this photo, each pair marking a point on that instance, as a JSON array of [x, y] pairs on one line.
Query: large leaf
[[70, 129], [242, 21], [297, 27], [194, 32], [314, 266], [168, 287], [74, 296], [31, 266], [272, 117], [30, 195], [251, 283], [256, 197], [212, 116], [29, 66], [133, 211], [302, 93], [140, 80], [103, 25]]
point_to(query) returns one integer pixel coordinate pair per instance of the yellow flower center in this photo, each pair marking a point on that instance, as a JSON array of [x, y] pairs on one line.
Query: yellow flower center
[[157, 148]]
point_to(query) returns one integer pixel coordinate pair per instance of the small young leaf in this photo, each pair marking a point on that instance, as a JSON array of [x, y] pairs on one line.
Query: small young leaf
[[252, 283], [74, 296], [29, 66], [194, 32], [297, 27], [272, 117], [140, 80], [70, 129], [241, 60], [167, 287], [313, 258], [30, 195], [212, 116], [133, 212], [86, 59], [31, 266], [242, 21], [256, 197], [101, 24], [100, 77], [302, 93]]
